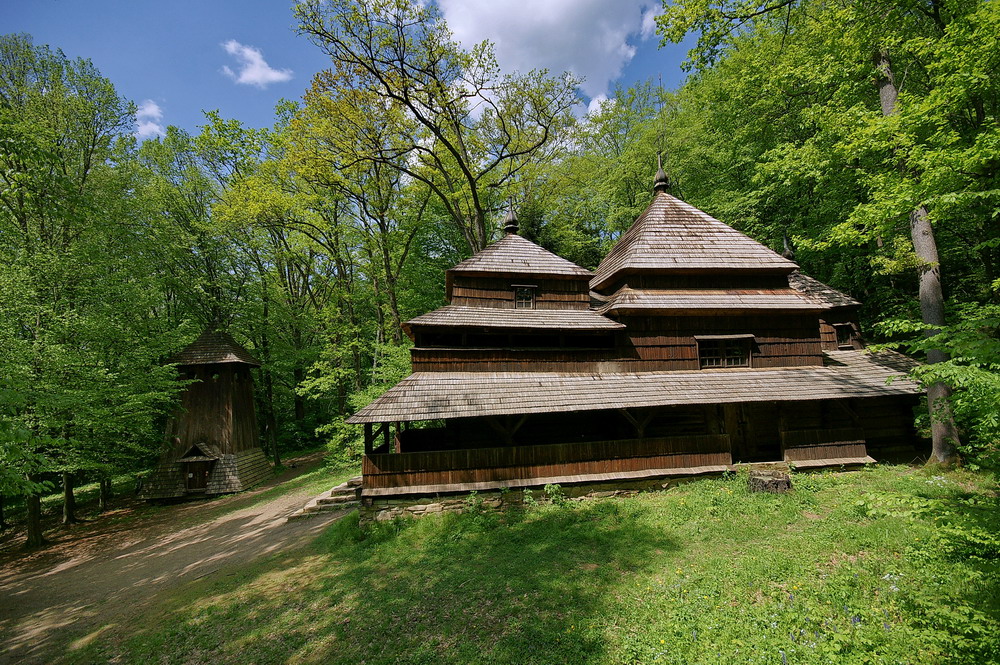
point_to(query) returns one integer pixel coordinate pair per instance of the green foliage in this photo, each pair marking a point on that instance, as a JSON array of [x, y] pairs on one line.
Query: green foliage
[[706, 572], [406, 98]]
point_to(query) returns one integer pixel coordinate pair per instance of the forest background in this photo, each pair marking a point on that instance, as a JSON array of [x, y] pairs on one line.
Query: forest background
[[312, 240]]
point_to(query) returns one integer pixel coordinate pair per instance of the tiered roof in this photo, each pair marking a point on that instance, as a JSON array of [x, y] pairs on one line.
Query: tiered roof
[[672, 235], [488, 317], [433, 395], [730, 300], [212, 348], [513, 254]]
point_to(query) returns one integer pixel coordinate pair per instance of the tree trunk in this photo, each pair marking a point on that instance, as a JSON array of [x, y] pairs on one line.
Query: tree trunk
[[104, 500], [3, 515], [298, 376], [270, 422], [69, 500], [34, 526], [944, 433]]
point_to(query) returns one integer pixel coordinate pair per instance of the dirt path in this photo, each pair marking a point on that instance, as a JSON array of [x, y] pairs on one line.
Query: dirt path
[[84, 583]]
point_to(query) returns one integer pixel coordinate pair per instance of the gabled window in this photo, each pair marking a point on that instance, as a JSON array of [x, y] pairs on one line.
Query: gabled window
[[524, 297], [717, 351]]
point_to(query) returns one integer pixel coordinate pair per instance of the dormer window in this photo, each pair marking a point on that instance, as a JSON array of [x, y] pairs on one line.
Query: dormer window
[[524, 296], [845, 335], [718, 351]]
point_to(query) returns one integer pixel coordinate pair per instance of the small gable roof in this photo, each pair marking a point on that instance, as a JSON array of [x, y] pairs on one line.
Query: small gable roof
[[817, 290], [672, 235], [513, 254], [212, 348]]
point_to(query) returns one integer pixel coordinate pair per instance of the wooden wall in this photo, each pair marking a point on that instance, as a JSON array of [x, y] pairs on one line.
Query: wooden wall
[[889, 428], [450, 467], [498, 292], [650, 343], [217, 409], [828, 333], [610, 442], [713, 280], [785, 340]]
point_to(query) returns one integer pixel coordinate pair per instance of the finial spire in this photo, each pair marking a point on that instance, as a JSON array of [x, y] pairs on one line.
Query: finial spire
[[660, 182], [510, 221], [789, 247]]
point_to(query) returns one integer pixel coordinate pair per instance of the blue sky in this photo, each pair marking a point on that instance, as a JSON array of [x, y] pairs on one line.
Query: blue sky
[[178, 58]]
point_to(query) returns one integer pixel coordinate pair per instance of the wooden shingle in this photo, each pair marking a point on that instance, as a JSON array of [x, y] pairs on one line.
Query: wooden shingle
[[817, 290], [514, 255], [461, 316], [434, 395], [672, 235], [214, 348], [732, 300]]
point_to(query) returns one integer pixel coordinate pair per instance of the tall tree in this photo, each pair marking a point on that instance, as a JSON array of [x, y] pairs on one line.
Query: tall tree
[[462, 128], [66, 300], [890, 141]]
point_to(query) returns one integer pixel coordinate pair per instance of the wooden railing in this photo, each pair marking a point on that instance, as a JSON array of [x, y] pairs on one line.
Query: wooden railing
[[819, 444], [561, 460]]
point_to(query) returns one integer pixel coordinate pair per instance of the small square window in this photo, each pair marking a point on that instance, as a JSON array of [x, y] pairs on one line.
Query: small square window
[[715, 353], [845, 335], [524, 297]]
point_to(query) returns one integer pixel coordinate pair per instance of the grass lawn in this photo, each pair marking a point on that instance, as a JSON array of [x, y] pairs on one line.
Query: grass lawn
[[886, 565]]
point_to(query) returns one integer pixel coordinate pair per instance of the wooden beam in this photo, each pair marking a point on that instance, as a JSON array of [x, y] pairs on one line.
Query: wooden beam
[[638, 423]]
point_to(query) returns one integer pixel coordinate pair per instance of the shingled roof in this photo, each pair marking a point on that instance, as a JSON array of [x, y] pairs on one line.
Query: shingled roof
[[526, 319], [513, 254], [672, 235], [213, 348], [433, 395], [727, 300], [817, 290]]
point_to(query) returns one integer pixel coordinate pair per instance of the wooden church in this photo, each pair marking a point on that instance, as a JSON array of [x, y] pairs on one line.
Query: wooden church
[[212, 441], [691, 348]]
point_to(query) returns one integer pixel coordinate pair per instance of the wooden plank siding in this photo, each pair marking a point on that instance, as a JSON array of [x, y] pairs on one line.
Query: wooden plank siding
[[499, 292], [650, 344], [449, 467]]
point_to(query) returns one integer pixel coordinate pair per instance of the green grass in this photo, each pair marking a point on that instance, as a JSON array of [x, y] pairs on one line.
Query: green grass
[[887, 565]]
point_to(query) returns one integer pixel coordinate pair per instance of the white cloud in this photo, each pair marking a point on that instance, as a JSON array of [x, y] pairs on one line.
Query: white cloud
[[594, 39], [253, 69], [149, 120], [598, 103]]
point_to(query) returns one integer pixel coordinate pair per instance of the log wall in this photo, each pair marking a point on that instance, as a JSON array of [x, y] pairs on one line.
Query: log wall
[[649, 344], [499, 292], [452, 467], [217, 409]]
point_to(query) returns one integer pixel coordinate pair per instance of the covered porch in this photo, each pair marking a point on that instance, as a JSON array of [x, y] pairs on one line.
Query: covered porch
[[433, 434]]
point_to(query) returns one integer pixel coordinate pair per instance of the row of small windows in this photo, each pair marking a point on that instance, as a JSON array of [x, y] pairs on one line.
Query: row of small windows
[[724, 352]]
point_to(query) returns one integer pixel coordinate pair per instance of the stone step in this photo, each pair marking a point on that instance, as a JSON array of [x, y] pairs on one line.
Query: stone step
[[337, 498], [341, 498]]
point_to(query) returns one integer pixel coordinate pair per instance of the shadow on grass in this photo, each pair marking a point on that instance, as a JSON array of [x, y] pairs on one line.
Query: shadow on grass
[[535, 587]]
